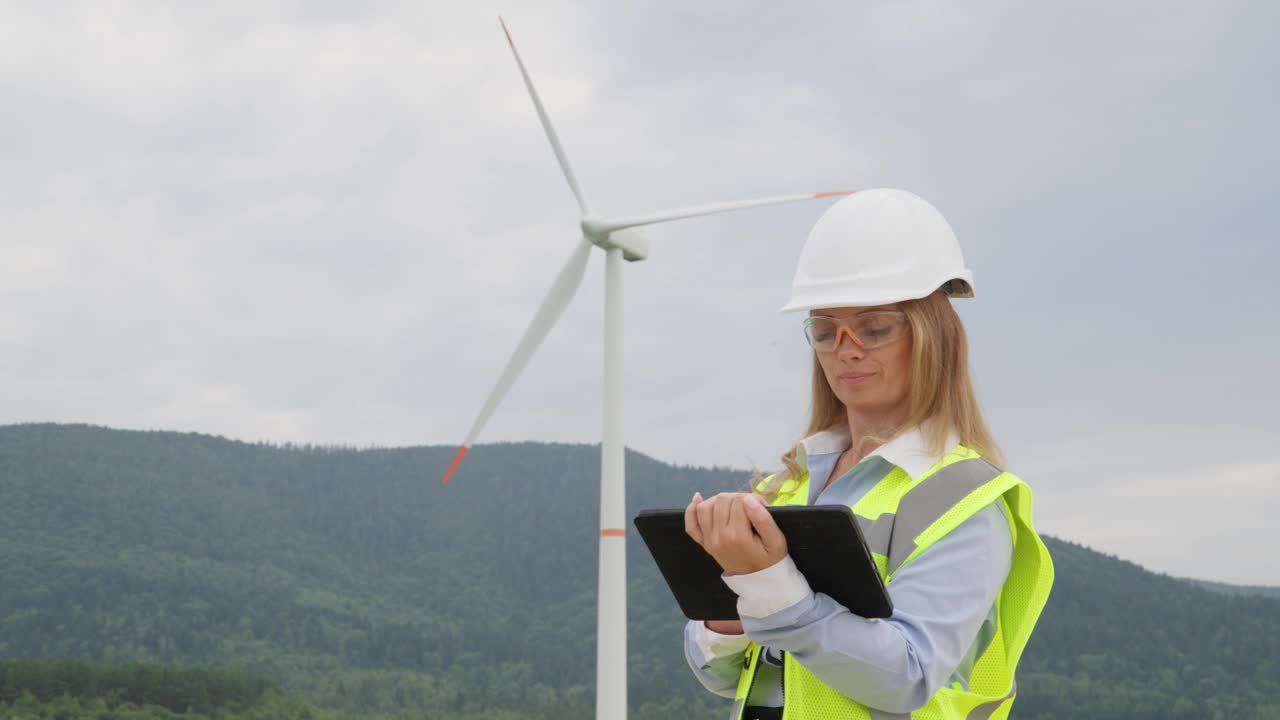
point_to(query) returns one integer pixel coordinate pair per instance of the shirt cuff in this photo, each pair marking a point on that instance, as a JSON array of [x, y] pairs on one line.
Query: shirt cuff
[[765, 592], [714, 645]]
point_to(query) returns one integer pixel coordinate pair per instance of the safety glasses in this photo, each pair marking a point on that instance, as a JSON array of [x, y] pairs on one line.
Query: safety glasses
[[867, 330]]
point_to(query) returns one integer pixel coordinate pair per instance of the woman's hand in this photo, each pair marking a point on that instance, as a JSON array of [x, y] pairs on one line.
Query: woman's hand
[[725, 627], [736, 530]]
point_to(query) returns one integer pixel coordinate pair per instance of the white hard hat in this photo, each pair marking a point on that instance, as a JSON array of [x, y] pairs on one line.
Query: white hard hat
[[877, 247]]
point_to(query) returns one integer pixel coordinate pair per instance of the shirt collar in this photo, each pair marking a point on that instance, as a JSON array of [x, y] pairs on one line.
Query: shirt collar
[[908, 450]]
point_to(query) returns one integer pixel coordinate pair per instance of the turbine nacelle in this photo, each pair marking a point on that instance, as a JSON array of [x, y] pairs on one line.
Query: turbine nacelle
[[601, 233]]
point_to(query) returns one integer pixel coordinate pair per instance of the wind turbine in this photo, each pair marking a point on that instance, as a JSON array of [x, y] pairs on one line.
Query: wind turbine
[[620, 240]]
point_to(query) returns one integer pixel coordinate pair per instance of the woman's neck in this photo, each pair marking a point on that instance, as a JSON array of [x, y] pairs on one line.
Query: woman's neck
[[867, 431]]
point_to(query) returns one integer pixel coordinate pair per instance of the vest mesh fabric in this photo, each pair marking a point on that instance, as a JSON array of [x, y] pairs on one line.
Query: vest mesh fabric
[[991, 684]]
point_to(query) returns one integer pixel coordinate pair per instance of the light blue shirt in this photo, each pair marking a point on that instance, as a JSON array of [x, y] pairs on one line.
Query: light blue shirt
[[944, 615]]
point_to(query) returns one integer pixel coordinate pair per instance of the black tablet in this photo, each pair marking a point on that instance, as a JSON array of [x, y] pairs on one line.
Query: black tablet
[[823, 540]]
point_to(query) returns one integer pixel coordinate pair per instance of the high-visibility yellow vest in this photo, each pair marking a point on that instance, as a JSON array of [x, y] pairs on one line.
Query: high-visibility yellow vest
[[901, 517]]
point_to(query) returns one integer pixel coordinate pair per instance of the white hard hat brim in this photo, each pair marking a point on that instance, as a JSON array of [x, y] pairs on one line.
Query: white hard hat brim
[[960, 286]]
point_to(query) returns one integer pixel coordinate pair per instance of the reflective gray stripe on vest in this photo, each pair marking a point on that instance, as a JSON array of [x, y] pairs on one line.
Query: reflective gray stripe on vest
[[877, 533], [737, 709], [983, 711], [931, 499]]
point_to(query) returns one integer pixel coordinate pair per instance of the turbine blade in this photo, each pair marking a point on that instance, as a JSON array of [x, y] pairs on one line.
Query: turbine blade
[[546, 126], [608, 225], [553, 305]]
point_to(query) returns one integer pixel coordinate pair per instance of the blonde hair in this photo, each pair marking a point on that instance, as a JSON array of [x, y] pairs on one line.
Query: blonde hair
[[943, 401]]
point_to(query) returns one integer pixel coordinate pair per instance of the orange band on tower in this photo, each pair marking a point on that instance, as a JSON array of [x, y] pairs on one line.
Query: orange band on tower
[[613, 532]]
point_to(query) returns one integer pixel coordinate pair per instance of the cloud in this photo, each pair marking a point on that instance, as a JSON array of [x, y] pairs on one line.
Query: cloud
[[1184, 500], [323, 222]]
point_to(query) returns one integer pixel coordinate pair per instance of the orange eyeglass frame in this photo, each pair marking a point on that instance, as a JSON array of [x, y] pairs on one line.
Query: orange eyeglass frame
[[842, 331]]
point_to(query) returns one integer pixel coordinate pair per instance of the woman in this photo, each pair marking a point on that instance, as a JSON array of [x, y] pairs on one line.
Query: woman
[[896, 434]]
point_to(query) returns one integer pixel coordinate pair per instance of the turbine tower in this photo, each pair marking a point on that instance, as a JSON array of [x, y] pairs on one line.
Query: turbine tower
[[621, 240]]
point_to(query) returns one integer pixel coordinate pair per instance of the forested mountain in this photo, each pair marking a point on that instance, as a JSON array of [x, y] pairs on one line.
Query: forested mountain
[[72, 689], [1241, 589], [352, 578]]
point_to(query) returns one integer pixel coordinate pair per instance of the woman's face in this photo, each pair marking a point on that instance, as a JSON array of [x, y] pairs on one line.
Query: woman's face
[[872, 381]]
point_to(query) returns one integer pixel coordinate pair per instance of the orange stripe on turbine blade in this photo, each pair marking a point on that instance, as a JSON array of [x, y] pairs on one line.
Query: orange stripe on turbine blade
[[504, 31], [613, 532], [457, 458], [833, 193]]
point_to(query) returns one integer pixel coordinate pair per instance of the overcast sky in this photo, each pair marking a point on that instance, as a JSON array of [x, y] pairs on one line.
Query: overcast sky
[[330, 221]]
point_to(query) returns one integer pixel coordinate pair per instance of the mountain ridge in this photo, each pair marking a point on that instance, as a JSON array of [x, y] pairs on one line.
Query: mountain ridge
[[350, 576], [1237, 588]]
